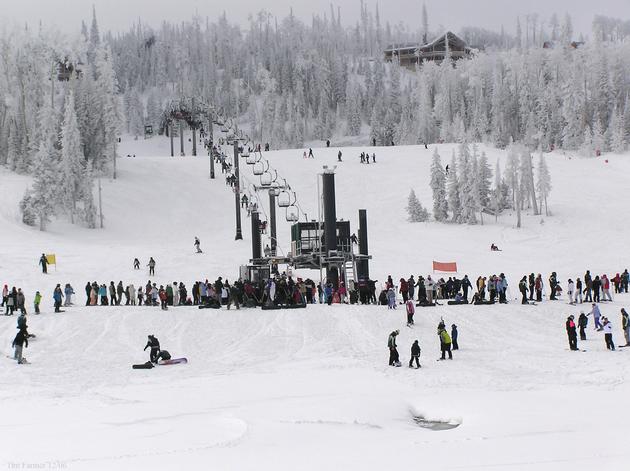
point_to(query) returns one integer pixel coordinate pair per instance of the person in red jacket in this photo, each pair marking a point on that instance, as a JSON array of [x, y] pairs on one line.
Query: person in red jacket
[[606, 289], [163, 297], [404, 289], [617, 282]]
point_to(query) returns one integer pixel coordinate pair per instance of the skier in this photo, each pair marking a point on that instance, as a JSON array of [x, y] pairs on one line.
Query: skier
[[578, 291], [597, 284], [136, 264], [538, 286], [112, 294], [20, 341], [151, 266], [582, 323], [596, 315], [36, 301], [608, 334], [465, 286], [393, 351], [572, 334], [606, 288], [588, 287], [154, 344], [570, 290], [532, 286], [415, 355], [553, 282], [310, 153], [625, 325], [445, 342], [20, 301], [522, 287], [339, 156], [197, 245], [57, 296], [454, 335], [410, 312], [43, 261]]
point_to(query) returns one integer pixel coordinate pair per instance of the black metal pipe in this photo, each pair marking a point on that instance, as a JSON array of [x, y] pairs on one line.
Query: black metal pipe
[[330, 212], [237, 195], [256, 253], [272, 221], [363, 268]]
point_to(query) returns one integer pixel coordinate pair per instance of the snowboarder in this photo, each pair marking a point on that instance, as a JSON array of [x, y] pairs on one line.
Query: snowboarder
[[310, 153], [582, 323], [454, 335], [578, 291], [136, 264], [596, 315], [43, 261], [20, 341], [571, 333], [393, 351], [197, 245], [415, 355], [69, 291], [151, 266], [553, 282], [410, 312], [154, 344], [625, 325], [445, 342], [465, 286], [608, 334]]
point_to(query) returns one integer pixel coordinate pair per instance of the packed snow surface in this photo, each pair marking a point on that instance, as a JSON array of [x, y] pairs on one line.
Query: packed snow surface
[[310, 389]]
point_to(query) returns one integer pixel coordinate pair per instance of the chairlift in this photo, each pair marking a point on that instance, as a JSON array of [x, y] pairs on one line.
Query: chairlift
[[292, 214], [259, 169], [225, 129], [252, 158], [245, 152], [284, 199]]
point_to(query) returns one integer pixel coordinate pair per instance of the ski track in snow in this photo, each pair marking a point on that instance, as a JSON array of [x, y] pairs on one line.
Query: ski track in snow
[[311, 389]]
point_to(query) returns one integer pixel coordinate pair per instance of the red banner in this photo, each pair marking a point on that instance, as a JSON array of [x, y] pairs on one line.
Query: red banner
[[445, 266]]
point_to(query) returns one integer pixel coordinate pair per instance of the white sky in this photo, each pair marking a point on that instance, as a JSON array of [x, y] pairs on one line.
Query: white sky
[[117, 15]]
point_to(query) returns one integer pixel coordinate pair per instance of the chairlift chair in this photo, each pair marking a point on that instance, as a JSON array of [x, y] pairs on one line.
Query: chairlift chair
[[284, 199], [259, 169], [251, 159], [245, 152], [291, 214], [266, 179]]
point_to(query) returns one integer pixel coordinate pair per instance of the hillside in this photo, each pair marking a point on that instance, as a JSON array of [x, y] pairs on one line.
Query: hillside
[[310, 389]]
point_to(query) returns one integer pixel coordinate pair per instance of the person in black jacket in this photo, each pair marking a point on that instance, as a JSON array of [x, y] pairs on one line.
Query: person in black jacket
[[154, 344], [553, 282], [21, 340], [571, 333], [88, 291], [415, 355], [522, 287], [454, 335], [465, 285], [597, 284], [43, 261], [582, 323], [532, 286]]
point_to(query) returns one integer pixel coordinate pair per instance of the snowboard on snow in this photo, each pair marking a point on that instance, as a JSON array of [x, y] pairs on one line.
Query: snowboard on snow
[[143, 366], [173, 361]]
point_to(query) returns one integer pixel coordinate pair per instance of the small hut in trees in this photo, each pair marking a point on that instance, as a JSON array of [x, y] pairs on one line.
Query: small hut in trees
[[408, 55]]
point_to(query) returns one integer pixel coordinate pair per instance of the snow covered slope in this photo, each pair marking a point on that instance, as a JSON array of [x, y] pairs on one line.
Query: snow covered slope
[[311, 389]]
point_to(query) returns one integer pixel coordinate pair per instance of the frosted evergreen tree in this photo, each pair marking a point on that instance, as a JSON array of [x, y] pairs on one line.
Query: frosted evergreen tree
[[513, 180], [438, 186], [528, 188], [353, 110], [72, 158], [484, 179], [135, 113], [87, 212], [452, 191], [41, 199], [417, 213], [617, 133], [543, 185], [467, 187]]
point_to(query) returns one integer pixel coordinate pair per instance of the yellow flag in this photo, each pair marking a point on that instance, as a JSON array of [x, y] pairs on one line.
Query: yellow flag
[[51, 259]]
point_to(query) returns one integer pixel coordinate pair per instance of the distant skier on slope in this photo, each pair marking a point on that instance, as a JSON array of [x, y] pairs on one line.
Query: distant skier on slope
[[43, 261], [394, 359], [198, 245], [415, 355]]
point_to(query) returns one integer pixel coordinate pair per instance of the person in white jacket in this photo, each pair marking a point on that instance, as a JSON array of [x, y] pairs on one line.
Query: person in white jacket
[[570, 290], [608, 334], [428, 286], [132, 294]]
